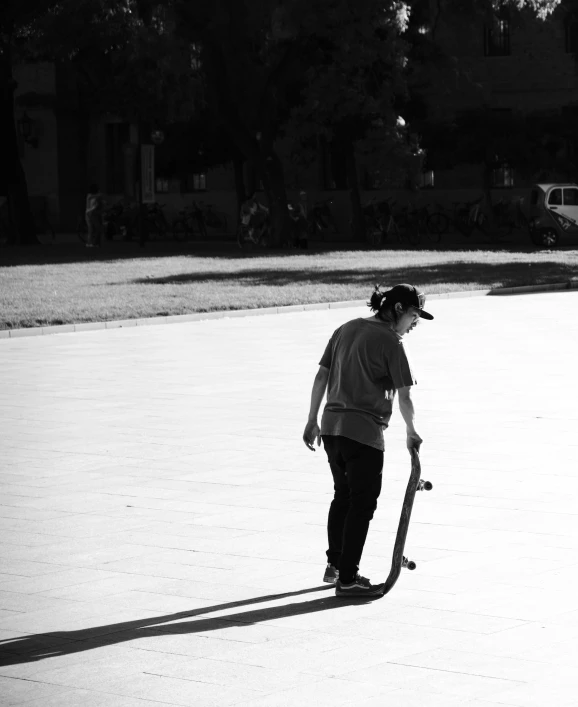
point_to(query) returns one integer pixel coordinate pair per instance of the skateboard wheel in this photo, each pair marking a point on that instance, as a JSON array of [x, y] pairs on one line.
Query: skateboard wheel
[[428, 486], [409, 564]]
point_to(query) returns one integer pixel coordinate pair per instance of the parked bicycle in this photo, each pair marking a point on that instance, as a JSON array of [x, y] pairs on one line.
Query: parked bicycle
[[420, 222], [320, 220], [469, 217], [378, 220], [406, 226], [121, 222], [190, 223], [213, 218], [509, 215], [154, 222], [118, 222], [464, 218]]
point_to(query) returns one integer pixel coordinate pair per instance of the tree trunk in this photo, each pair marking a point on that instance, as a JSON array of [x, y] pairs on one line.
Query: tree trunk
[[258, 147], [274, 184], [240, 190], [357, 220], [487, 191], [13, 180]]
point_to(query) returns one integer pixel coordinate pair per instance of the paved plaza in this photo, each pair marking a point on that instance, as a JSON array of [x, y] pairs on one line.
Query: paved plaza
[[163, 525]]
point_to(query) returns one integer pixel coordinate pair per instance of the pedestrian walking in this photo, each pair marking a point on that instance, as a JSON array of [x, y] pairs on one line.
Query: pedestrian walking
[[94, 215], [363, 367], [298, 225], [254, 218]]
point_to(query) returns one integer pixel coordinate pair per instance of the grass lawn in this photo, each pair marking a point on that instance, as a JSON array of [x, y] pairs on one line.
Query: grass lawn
[[78, 285]]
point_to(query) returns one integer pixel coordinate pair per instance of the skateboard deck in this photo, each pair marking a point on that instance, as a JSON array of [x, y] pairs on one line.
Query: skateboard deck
[[398, 560]]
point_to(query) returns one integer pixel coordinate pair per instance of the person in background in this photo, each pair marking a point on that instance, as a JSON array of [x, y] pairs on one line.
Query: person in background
[[254, 219], [94, 215], [298, 225]]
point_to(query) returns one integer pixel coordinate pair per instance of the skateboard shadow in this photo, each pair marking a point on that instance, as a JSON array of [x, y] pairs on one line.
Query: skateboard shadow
[[31, 648]]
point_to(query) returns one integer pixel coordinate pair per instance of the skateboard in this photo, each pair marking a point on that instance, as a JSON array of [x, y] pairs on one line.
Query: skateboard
[[398, 560]]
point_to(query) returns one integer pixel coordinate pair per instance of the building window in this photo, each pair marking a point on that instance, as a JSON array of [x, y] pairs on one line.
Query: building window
[[503, 176], [192, 181], [497, 37], [199, 182], [427, 179], [571, 33]]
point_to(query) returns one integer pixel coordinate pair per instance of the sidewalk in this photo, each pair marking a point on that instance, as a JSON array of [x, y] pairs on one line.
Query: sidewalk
[[163, 526]]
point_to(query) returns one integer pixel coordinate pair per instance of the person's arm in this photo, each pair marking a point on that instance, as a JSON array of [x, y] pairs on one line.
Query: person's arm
[[312, 431], [408, 413]]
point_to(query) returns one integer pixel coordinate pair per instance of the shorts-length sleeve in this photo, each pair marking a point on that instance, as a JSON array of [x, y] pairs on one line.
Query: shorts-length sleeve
[[327, 357], [399, 368]]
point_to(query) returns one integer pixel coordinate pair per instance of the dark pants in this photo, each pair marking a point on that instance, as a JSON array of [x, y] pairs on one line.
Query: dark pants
[[95, 228], [356, 470]]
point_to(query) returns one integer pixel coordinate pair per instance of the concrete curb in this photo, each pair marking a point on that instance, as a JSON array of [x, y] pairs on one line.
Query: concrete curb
[[180, 318]]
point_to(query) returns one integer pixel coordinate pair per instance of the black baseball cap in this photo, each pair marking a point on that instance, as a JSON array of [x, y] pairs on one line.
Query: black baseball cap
[[408, 294]]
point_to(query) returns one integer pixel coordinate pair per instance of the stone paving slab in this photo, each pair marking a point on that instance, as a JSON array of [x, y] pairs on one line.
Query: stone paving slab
[[162, 525]]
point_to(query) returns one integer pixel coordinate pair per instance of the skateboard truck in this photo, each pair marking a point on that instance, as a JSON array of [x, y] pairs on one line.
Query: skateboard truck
[[421, 486], [408, 564]]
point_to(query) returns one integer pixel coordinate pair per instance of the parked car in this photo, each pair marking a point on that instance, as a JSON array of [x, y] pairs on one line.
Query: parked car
[[553, 213]]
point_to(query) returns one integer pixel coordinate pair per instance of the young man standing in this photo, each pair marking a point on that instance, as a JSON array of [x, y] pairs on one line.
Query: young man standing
[[94, 216], [363, 367]]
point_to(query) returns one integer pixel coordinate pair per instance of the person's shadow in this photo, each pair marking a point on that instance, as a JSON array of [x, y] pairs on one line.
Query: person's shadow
[[30, 648]]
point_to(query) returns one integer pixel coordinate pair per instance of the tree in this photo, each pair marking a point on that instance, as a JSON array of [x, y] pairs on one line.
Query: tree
[[195, 146], [325, 69], [351, 89], [373, 61], [257, 65], [33, 30], [447, 107], [123, 64], [249, 57], [15, 15]]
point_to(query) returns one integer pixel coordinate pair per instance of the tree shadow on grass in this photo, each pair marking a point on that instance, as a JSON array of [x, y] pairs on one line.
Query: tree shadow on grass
[[455, 272], [64, 253], [31, 648]]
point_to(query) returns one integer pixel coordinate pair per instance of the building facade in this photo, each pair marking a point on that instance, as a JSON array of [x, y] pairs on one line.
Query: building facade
[[505, 63]]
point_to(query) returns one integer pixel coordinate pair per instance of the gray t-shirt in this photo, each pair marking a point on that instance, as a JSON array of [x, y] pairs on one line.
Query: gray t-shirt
[[367, 363]]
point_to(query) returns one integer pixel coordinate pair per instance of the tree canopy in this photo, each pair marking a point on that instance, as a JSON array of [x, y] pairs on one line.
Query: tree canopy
[[264, 69]]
